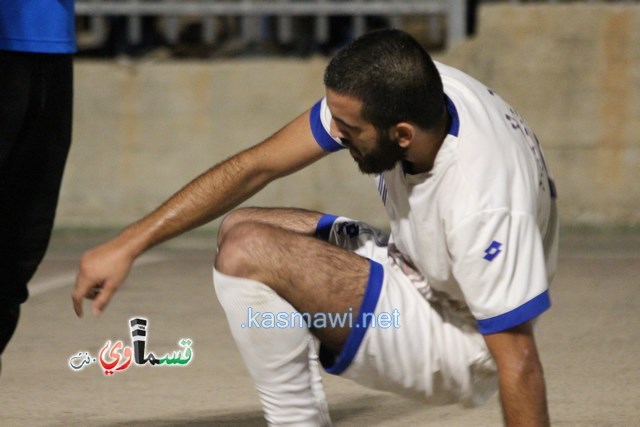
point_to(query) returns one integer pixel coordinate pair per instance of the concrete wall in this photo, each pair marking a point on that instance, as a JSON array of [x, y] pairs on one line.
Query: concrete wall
[[142, 130], [574, 72]]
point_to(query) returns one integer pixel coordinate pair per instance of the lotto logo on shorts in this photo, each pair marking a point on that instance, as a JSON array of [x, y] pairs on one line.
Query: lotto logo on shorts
[[492, 251]]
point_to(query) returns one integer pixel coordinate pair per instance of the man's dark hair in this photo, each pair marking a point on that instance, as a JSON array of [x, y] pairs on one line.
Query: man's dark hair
[[393, 76]]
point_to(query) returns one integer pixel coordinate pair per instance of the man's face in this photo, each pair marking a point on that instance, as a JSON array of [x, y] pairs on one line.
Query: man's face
[[373, 150]]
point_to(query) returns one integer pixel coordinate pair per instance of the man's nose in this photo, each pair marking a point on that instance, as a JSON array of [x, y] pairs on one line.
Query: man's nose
[[334, 131]]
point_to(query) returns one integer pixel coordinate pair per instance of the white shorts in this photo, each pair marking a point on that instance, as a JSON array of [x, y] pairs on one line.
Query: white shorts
[[402, 343]]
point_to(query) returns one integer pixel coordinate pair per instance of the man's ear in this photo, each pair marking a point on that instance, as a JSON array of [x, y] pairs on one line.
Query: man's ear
[[404, 133]]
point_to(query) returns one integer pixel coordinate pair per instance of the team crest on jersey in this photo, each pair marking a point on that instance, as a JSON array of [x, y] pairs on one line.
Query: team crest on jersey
[[382, 189]]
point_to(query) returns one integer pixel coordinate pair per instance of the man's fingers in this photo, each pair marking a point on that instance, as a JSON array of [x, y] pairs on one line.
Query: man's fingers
[[102, 298], [77, 305], [84, 289], [77, 296], [100, 274]]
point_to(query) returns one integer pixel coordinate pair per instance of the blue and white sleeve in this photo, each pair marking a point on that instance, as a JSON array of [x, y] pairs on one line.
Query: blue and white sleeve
[[320, 122], [499, 263]]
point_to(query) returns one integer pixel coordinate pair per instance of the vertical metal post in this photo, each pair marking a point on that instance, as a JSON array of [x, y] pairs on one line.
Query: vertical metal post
[[285, 27], [359, 24], [249, 26], [134, 27], [395, 21], [172, 27], [209, 30], [434, 27], [98, 28], [456, 21], [321, 27]]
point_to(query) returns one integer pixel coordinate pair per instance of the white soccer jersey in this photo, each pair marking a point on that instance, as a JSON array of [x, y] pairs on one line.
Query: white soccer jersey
[[481, 226]]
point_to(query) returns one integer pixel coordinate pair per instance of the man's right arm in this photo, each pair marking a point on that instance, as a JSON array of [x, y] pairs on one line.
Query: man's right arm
[[210, 195]]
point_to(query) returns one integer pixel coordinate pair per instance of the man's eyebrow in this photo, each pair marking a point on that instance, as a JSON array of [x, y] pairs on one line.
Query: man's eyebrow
[[342, 122]]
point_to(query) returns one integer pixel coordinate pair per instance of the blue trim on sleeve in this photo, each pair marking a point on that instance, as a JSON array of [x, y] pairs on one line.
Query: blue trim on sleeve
[[321, 135], [324, 226], [337, 365], [455, 120], [527, 311]]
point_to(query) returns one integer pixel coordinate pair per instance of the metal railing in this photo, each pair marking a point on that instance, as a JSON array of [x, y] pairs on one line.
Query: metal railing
[[571, 1], [249, 12]]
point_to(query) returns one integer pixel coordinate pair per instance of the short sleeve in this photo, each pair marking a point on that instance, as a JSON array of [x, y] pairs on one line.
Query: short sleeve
[[320, 120], [499, 263]]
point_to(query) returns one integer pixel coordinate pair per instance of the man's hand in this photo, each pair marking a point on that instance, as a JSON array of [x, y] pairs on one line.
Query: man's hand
[[102, 271]]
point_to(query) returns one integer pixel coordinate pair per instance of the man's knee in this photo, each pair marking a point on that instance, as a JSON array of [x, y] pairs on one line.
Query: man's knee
[[239, 247], [232, 219]]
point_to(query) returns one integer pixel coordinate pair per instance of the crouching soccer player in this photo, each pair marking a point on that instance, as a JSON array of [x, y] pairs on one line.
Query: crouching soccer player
[[467, 266]]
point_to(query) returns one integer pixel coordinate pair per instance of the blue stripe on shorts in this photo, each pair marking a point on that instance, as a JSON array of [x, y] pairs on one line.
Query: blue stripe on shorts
[[337, 365]]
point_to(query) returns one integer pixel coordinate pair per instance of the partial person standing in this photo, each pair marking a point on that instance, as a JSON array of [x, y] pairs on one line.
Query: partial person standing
[[37, 40]]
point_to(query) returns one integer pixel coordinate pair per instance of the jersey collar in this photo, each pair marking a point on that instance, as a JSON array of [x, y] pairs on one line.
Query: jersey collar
[[454, 128]]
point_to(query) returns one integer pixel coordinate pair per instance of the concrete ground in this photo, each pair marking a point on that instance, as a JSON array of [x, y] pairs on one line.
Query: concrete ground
[[589, 342]]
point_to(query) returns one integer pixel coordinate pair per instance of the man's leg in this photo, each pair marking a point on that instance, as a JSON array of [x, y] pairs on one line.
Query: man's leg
[[282, 361], [312, 275], [428, 351], [35, 134], [265, 269], [15, 77]]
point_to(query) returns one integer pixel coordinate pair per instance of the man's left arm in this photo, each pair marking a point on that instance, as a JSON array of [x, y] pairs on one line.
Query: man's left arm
[[521, 378], [500, 262]]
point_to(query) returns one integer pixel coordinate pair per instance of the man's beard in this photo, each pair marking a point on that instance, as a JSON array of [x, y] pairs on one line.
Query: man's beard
[[383, 157]]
